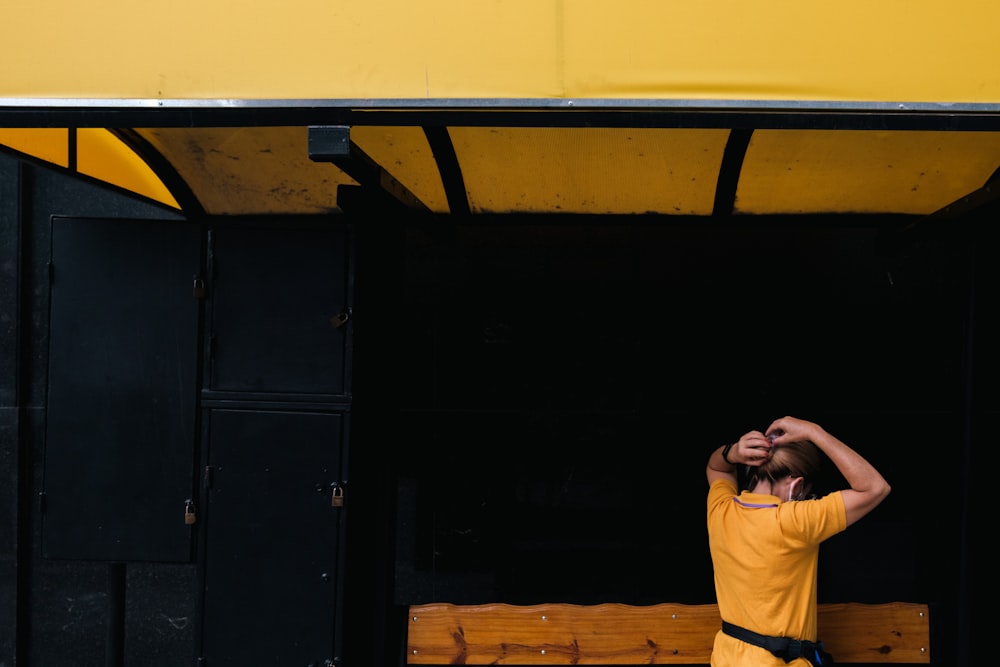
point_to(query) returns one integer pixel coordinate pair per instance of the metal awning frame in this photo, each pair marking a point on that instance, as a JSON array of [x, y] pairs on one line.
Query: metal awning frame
[[741, 117], [610, 113]]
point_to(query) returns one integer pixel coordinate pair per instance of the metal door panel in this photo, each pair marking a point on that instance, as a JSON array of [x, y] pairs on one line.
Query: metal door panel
[[273, 537], [279, 300], [122, 388]]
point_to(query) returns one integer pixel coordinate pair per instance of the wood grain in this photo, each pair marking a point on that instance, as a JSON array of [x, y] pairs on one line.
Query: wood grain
[[619, 634]]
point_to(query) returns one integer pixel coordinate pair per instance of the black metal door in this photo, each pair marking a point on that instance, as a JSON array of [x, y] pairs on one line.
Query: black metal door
[[276, 405], [279, 312], [273, 545], [122, 390]]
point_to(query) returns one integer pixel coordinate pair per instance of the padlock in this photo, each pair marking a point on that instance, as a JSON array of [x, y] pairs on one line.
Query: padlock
[[337, 500], [340, 319], [189, 515]]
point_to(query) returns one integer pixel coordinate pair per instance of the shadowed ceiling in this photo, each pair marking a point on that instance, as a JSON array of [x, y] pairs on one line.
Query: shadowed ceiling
[[484, 163], [581, 170]]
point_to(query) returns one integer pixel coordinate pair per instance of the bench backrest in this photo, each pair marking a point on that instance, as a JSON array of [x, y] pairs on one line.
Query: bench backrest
[[619, 634]]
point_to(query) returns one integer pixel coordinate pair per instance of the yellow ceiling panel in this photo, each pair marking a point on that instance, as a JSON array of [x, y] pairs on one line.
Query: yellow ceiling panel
[[102, 155], [49, 144], [405, 154], [590, 170], [250, 170], [863, 171]]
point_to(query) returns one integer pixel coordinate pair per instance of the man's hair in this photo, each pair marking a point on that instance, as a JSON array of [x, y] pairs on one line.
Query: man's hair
[[790, 459]]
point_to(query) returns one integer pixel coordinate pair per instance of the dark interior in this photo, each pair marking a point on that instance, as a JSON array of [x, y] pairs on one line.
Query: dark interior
[[560, 385], [519, 409]]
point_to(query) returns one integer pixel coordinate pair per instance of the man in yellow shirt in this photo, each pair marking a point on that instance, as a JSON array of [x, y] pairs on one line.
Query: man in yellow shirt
[[765, 541]]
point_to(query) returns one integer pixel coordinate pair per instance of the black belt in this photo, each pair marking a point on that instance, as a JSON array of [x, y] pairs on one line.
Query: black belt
[[786, 648]]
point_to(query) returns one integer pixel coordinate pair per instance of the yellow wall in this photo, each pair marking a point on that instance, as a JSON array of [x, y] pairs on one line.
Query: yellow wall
[[901, 51]]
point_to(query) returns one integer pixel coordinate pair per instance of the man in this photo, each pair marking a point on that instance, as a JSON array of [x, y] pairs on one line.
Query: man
[[765, 541]]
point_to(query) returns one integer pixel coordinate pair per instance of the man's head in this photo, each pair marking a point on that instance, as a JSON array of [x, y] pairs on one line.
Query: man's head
[[789, 471]]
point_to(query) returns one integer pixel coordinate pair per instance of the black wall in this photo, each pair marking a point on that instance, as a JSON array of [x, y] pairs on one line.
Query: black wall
[[64, 608], [9, 412]]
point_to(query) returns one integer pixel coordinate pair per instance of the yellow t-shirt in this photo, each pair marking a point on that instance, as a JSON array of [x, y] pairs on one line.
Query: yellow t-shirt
[[765, 555]]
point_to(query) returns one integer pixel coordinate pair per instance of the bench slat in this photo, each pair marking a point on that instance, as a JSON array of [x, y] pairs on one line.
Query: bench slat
[[890, 632], [619, 634]]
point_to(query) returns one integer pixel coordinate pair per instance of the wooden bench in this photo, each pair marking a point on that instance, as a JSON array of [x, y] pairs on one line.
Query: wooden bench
[[661, 634]]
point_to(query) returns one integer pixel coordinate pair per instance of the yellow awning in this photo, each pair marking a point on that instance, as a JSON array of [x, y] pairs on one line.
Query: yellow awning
[[515, 106], [905, 52]]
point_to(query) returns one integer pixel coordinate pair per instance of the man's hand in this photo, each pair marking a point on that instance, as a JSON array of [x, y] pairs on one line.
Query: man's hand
[[752, 449]]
